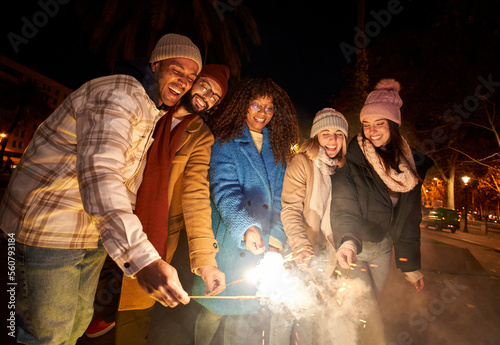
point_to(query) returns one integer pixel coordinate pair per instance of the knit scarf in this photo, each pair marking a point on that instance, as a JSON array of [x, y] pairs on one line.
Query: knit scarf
[[152, 197], [325, 164], [400, 182]]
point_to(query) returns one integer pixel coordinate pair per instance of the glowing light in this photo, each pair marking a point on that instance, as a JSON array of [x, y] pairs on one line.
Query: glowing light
[[403, 259]]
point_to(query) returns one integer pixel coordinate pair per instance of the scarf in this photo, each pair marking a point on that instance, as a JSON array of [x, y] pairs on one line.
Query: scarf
[[325, 164], [152, 197], [397, 182]]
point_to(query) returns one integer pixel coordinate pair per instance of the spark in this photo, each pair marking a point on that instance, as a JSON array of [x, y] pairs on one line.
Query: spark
[[403, 259]]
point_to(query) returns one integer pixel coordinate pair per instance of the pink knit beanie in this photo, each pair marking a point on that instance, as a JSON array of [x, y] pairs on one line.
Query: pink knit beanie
[[383, 102]]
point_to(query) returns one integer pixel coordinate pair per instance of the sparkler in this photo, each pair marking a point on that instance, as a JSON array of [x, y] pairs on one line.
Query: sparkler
[[231, 297], [320, 290], [233, 282]]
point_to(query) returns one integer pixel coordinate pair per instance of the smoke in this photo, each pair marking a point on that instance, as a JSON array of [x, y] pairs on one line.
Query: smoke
[[311, 302]]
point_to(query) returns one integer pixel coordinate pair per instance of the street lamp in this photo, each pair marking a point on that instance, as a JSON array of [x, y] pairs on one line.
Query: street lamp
[[466, 181]]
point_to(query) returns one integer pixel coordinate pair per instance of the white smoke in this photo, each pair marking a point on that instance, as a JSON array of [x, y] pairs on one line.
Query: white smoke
[[335, 307]]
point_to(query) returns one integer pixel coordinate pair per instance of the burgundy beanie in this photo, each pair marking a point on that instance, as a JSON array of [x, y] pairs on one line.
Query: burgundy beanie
[[219, 73], [384, 102]]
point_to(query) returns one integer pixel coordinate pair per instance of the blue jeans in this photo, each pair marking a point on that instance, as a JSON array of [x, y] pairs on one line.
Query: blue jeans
[[56, 292], [373, 268]]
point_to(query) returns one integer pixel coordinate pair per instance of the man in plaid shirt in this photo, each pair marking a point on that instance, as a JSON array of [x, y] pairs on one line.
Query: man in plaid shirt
[[71, 198]]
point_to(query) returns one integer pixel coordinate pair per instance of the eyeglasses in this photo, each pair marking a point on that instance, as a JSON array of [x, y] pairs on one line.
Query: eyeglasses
[[268, 109], [206, 90]]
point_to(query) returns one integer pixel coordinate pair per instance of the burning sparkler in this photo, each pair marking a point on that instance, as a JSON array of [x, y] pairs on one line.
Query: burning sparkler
[[231, 297]]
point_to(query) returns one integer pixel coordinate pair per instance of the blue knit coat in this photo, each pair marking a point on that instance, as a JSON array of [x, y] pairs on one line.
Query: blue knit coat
[[245, 191]]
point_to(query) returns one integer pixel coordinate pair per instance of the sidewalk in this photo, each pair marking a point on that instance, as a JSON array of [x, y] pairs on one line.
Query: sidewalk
[[489, 241]]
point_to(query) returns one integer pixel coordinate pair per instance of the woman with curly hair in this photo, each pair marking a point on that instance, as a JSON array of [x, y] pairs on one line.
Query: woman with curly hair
[[255, 130]]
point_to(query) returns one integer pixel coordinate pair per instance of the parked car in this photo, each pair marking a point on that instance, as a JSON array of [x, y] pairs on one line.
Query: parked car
[[440, 219]]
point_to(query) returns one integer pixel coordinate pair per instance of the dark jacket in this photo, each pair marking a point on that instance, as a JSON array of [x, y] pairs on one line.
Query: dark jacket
[[362, 209]]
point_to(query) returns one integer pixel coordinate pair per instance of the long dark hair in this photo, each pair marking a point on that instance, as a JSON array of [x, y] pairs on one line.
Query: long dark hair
[[392, 152], [229, 121]]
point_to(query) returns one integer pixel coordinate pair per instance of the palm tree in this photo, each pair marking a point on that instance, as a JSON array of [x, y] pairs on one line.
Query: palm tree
[[129, 29]]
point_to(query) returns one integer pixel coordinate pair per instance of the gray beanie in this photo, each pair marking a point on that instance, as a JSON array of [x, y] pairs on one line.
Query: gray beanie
[[329, 118], [173, 46]]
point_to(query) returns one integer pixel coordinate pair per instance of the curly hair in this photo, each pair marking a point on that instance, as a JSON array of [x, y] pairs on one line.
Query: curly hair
[[230, 119]]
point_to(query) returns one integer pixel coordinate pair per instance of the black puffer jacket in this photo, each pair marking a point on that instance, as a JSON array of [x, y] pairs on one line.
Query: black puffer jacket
[[362, 209]]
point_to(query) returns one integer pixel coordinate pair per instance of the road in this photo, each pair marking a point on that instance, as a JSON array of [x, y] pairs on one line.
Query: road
[[461, 300]]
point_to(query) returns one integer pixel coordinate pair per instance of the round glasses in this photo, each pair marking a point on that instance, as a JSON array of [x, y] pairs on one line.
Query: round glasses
[[268, 109]]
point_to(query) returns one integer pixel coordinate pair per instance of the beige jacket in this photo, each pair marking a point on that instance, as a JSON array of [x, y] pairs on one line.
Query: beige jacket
[[306, 206], [189, 197]]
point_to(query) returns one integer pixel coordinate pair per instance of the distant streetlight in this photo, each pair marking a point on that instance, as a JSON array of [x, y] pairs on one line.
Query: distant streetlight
[[466, 181]]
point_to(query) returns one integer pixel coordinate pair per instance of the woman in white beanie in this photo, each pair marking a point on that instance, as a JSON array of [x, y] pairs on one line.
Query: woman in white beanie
[[307, 185], [306, 196], [376, 201]]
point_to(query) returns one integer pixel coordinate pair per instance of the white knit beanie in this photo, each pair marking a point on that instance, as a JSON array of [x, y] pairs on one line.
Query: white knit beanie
[[383, 102], [329, 118], [176, 46]]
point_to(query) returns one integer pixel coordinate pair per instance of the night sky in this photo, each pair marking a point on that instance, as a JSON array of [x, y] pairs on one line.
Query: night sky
[[300, 47]]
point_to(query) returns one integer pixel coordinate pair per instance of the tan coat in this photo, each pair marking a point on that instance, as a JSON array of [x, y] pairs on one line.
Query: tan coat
[[301, 222], [189, 197]]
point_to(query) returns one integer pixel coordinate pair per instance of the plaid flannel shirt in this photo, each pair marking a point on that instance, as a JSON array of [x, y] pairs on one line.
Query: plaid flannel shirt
[[78, 178]]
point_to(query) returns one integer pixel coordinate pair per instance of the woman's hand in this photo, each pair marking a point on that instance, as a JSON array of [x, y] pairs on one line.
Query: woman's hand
[[419, 284], [303, 258], [346, 257], [416, 278], [253, 241]]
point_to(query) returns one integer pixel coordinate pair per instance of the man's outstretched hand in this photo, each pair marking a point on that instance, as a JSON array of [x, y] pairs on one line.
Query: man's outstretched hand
[[161, 282]]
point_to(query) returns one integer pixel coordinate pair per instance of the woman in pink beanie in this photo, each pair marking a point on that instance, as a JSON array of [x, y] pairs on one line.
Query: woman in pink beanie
[[376, 202]]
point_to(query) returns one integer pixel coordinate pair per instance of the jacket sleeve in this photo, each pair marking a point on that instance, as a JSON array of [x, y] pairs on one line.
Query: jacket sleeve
[[227, 193], [407, 243], [277, 230], [196, 203], [292, 200], [104, 128], [346, 215]]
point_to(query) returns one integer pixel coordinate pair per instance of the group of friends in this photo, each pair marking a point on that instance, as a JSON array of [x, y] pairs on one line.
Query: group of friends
[[129, 160]]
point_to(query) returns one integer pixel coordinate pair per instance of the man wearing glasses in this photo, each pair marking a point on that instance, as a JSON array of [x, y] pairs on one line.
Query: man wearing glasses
[[180, 153]]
